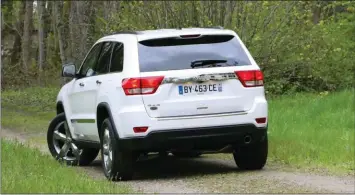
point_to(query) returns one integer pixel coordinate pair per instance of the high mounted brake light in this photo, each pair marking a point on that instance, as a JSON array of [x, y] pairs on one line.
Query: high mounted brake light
[[250, 78], [141, 85], [190, 36]]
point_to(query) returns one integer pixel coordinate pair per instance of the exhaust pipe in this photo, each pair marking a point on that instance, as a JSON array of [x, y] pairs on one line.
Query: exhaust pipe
[[247, 139]]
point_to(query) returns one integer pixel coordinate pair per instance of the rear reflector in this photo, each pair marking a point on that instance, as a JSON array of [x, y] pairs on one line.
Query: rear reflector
[[250, 78], [142, 85], [140, 129], [260, 120]]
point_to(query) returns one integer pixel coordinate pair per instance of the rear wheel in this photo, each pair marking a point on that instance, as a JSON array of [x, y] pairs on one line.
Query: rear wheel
[[117, 164], [253, 156], [187, 154], [62, 147]]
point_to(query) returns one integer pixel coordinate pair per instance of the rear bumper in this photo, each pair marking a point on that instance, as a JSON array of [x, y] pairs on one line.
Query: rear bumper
[[202, 139], [126, 118]]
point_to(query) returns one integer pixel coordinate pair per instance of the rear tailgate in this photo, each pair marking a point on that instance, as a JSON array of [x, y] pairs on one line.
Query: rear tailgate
[[185, 90]]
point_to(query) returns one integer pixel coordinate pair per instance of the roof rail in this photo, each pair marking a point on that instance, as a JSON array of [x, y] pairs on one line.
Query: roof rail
[[215, 27], [123, 32]]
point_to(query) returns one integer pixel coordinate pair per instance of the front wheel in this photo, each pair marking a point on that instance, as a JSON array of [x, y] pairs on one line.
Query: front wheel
[[253, 156], [117, 164], [62, 147]]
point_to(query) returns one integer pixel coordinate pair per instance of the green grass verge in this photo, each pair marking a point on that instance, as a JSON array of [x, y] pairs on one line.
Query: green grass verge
[[28, 110], [313, 130], [305, 130], [26, 170]]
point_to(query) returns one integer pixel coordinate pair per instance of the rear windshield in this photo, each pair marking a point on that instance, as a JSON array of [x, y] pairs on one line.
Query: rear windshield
[[178, 54]]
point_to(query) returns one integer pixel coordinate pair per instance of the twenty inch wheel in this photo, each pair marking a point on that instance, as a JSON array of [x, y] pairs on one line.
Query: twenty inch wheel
[[117, 164], [62, 147], [253, 156]]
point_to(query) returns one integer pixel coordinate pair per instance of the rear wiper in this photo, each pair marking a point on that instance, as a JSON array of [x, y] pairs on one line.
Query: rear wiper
[[199, 63]]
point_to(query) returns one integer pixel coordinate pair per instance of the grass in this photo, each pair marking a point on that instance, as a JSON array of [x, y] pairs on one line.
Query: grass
[[25, 170], [313, 130], [28, 110], [305, 130]]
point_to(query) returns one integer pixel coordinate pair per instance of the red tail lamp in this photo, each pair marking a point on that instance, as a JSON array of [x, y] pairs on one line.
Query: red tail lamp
[[140, 129]]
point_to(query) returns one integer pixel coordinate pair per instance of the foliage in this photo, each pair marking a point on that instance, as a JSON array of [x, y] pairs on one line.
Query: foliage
[[300, 45]]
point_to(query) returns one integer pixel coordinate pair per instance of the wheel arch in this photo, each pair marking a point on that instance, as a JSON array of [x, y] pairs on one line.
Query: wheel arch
[[59, 107], [103, 111]]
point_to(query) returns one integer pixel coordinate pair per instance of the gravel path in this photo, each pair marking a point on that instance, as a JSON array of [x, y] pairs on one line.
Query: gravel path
[[210, 175]]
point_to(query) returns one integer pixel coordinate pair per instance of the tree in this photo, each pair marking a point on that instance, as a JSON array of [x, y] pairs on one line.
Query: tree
[[41, 54], [57, 8], [27, 33]]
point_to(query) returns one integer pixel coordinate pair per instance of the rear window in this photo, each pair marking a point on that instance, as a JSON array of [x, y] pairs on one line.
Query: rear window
[[178, 54]]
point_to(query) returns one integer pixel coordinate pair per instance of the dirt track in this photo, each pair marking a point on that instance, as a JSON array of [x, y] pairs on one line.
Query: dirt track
[[209, 175]]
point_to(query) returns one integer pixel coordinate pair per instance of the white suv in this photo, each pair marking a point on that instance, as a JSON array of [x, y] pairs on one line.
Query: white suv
[[181, 91]]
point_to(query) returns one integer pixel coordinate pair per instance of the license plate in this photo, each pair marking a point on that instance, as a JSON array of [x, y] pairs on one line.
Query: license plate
[[199, 88]]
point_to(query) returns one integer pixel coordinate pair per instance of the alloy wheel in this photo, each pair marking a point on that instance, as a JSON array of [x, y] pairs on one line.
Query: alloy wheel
[[107, 151], [64, 145]]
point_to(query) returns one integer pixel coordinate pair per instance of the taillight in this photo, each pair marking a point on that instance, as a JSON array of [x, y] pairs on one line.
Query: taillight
[[141, 85], [250, 78]]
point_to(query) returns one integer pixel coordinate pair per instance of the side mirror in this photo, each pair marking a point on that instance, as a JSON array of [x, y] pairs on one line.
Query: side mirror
[[69, 70]]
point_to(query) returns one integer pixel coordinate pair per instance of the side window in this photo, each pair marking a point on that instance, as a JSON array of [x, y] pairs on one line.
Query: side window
[[90, 61], [103, 63], [117, 58]]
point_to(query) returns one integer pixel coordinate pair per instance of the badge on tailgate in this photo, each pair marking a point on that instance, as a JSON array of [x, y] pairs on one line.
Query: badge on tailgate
[[200, 78]]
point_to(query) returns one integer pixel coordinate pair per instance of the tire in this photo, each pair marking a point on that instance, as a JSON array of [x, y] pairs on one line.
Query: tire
[[85, 155], [187, 154], [117, 164], [252, 157], [163, 154]]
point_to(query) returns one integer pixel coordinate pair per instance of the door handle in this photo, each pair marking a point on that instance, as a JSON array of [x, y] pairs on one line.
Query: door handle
[[81, 84], [98, 82]]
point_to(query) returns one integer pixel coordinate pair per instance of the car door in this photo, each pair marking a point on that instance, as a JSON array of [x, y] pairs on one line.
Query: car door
[[82, 95], [101, 69]]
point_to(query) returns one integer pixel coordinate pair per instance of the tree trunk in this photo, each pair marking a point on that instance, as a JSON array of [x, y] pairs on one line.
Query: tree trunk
[[6, 27], [222, 12], [26, 39], [195, 14], [232, 5], [91, 30], [316, 13], [72, 30], [84, 18], [166, 18], [59, 27], [16, 48], [41, 56]]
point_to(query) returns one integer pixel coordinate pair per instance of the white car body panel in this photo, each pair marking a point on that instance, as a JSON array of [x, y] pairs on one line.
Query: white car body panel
[[132, 111]]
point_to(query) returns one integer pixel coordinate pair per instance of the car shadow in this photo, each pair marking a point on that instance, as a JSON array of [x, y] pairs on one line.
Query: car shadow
[[156, 167]]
